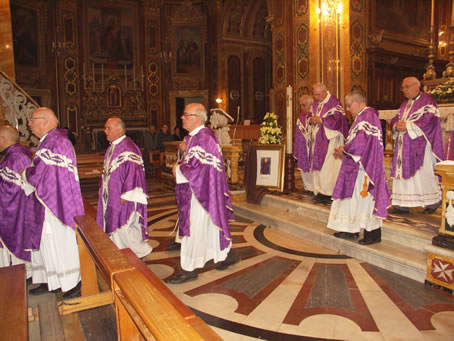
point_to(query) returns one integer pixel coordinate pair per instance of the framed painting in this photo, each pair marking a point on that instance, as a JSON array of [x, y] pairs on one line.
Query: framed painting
[[24, 22], [111, 33], [270, 166], [188, 50], [404, 21]]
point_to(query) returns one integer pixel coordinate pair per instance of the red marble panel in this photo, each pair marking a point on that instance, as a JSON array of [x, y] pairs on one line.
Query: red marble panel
[[361, 314], [246, 302]]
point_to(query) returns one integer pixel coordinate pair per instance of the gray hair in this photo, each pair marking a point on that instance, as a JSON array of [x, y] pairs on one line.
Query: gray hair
[[201, 112], [356, 96], [120, 123], [320, 86], [307, 99]]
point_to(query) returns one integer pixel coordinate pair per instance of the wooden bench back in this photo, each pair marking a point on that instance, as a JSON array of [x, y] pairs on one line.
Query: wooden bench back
[[145, 307], [13, 303]]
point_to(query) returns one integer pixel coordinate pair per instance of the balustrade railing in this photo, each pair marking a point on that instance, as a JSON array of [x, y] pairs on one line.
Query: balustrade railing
[[18, 107]]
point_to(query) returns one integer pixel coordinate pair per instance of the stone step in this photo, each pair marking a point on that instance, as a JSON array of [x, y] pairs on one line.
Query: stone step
[[412, 232], [308, 223]]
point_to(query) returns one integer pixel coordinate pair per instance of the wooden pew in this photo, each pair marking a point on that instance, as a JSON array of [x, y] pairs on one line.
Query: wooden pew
[[145, 307], [96, 250], [13, 303], [90, 165]]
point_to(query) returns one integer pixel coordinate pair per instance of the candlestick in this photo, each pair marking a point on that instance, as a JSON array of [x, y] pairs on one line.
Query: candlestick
[[289, 120], [102, 77], [134, 76], [126, 80], [93, 69]]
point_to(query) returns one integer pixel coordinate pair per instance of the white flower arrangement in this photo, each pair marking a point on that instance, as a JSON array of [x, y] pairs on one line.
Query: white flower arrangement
[[270, 131], [443, 92]]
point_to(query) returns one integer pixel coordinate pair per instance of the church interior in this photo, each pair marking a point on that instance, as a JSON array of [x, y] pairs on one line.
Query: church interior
[[144, 61]]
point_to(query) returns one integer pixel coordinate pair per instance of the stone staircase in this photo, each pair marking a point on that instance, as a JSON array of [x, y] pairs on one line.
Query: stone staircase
[[403, 238]]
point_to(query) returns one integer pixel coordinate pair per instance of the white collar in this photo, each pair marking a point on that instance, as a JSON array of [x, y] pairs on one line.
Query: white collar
[[117, 141], [196, 130], [328, 96]]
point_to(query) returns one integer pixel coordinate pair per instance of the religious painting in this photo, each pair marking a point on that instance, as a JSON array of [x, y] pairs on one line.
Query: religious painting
[[407, 21], [111, 33], [188, 49], [24, 24], [270, 166]]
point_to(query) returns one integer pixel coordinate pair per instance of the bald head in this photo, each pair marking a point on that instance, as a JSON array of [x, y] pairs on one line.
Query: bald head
[[305, 103], [8, 137], [411, 87], [194, 116], [43, 120], [114, 128], [319, 91]]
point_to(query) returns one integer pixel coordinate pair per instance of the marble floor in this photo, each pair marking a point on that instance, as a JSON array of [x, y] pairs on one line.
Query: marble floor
[[286, 288]]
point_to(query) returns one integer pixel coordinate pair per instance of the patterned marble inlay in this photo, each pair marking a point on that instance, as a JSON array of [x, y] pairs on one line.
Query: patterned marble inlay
[[417, 301], [329, 291], [252, 285]]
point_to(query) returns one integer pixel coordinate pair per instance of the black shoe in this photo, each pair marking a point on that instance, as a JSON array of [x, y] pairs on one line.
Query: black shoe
[[346, 235], [395, 210], [365, 241], [29, 281], [74, 292], [183, 277], [39, 290], [322, 199], [429, 210], [232, 258], [174, 246]]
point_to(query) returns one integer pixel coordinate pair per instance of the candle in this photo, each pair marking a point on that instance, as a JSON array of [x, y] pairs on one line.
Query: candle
[[102, 77], [134, 75], [452, 13], [238, 115], [289, 120], [432, 14], [93, 69], [126, 80]]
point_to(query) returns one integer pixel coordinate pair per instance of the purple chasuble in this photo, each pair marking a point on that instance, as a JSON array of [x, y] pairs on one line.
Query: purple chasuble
[[53, 174], [13, 200], [122, 174], [333, 117], [203, 166], [365, 141], [302, 139], [409, 154]]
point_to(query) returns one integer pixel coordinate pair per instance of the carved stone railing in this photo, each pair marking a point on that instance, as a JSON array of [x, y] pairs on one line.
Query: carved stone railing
[[18, 107]]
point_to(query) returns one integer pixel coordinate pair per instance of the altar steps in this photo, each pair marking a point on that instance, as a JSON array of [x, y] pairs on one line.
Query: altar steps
[[403, 238]]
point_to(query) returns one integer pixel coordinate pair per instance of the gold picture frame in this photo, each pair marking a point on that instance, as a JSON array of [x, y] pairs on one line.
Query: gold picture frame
[[270, 166]]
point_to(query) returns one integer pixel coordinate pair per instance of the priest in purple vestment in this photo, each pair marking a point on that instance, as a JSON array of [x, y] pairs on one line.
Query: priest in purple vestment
[[12, 198], [329, 127], [203, 200], [52, 181], [361, 195], [417, 149], [302, 142], [123, 199]]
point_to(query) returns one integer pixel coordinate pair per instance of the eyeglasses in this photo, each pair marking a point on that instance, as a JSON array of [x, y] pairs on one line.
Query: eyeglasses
[[36, 118], [185, 114]]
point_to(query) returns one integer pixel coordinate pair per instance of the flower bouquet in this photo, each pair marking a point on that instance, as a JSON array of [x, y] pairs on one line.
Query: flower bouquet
[[271, 132]]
